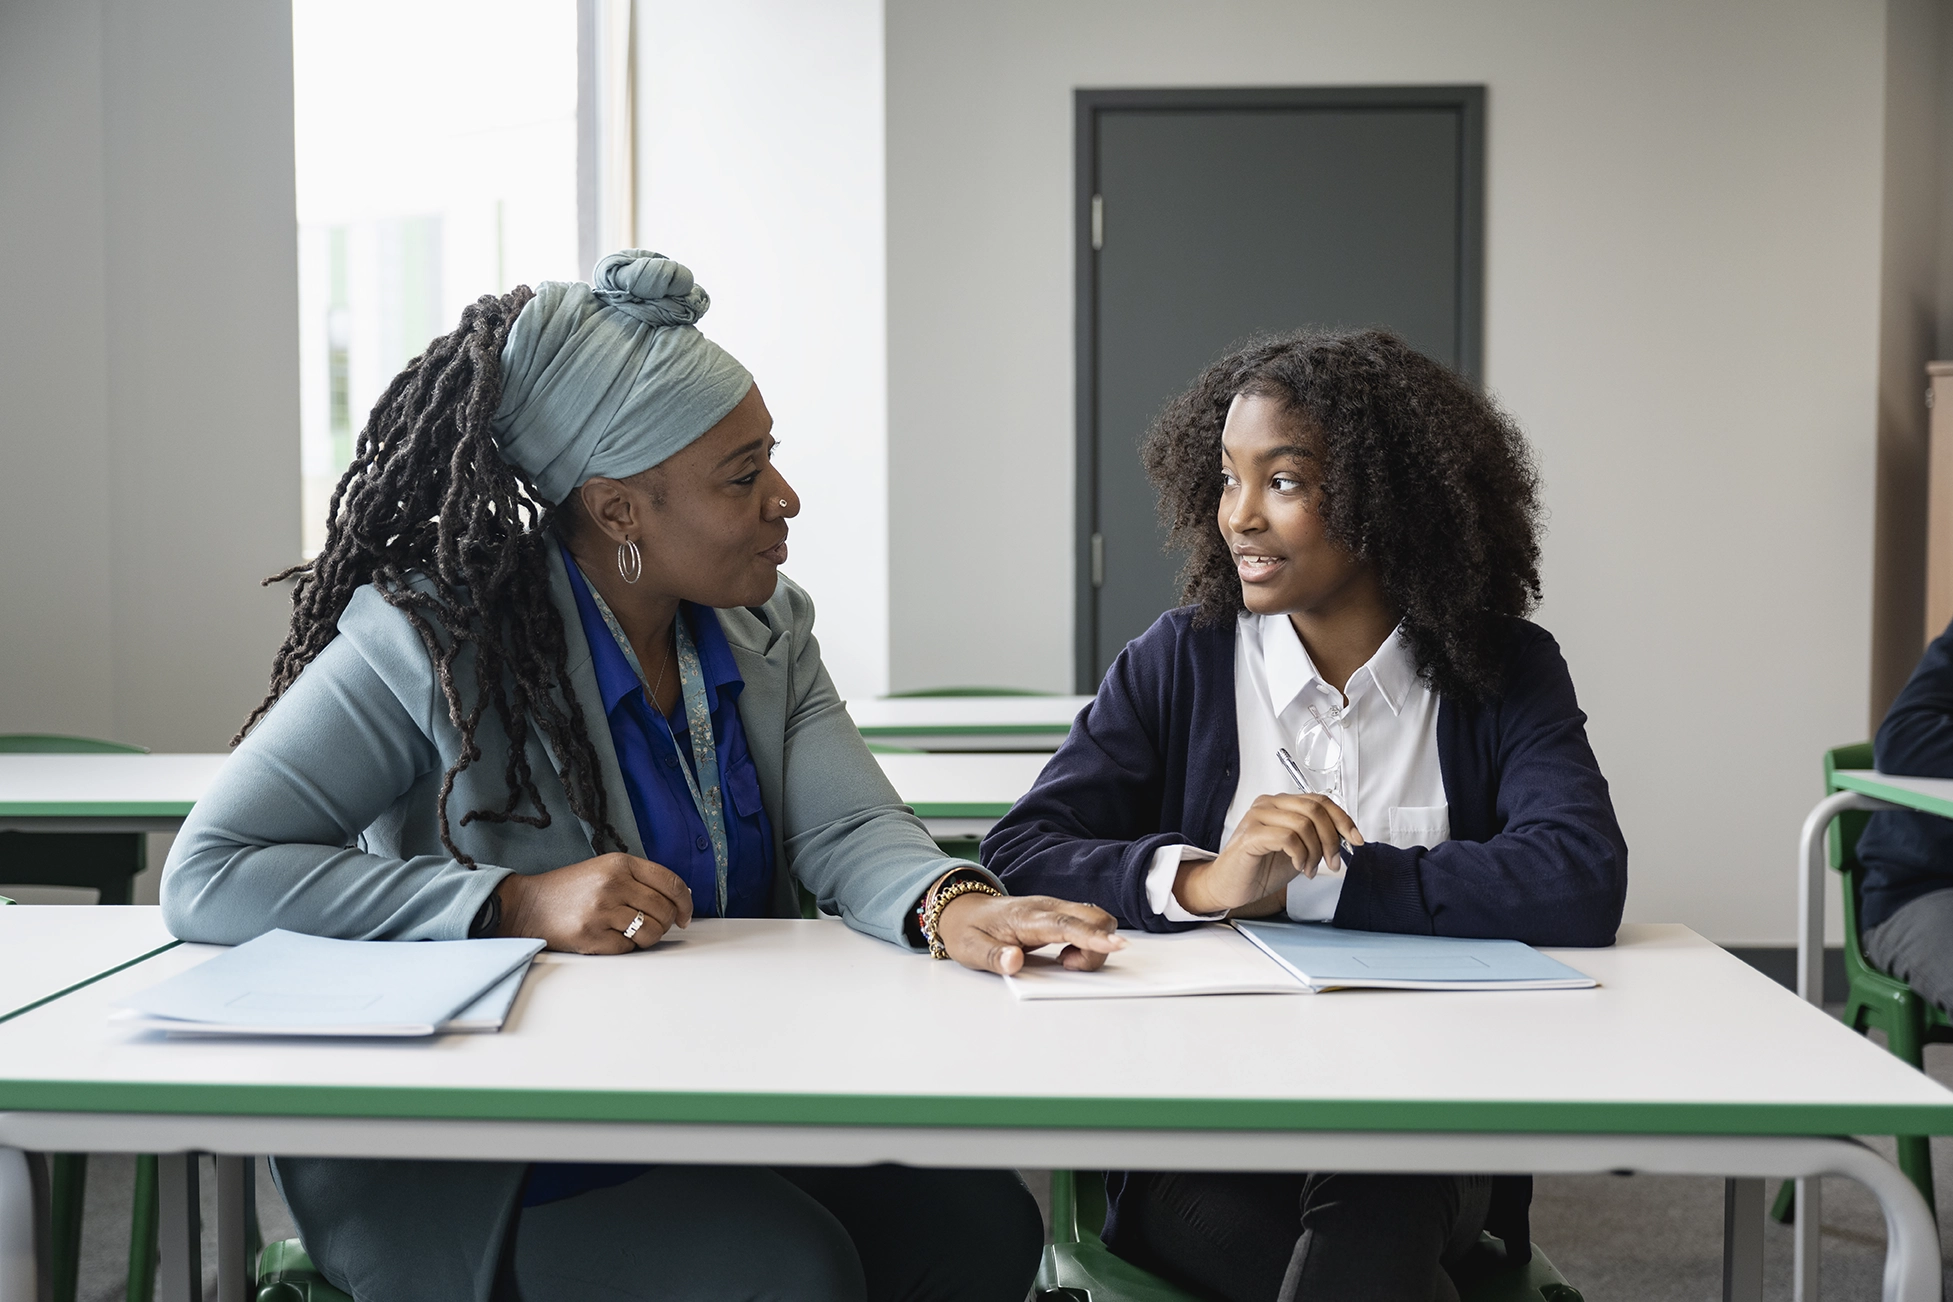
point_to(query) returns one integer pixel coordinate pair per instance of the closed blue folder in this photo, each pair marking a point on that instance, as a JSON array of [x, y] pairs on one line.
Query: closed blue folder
[[284, 983], [1325, 957]]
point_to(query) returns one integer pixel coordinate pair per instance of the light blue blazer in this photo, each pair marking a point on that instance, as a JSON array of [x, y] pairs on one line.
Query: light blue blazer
[[325, 821]]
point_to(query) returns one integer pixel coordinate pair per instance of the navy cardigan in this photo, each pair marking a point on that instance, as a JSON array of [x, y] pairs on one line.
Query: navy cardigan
[[1907, 855], [1535, 852]]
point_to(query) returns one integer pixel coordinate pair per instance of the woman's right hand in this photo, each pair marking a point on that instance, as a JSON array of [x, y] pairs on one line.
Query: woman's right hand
[[1279, 839], [585, 907]]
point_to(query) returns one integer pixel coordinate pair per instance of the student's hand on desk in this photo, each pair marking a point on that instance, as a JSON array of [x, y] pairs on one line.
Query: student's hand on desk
[[1280, 838], [585, 907], [992, 933]]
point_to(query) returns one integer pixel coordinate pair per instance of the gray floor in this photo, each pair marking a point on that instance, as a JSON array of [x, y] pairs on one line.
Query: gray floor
[[1643, 1238]]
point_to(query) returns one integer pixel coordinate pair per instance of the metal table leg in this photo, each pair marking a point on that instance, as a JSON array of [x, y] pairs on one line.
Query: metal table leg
[[234, 1276], [1813, 857], [19, 1272], [1742, 1241], [180, 1228], [1806, 1263]]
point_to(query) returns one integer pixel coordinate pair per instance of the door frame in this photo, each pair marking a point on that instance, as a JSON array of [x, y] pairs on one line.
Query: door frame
[[1466, 100]]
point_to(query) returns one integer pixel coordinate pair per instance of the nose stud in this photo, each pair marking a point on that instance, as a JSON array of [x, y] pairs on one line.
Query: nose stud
[[783, 504]]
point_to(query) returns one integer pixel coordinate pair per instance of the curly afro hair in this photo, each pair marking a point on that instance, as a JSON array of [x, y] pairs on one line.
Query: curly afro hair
[[1424, 477]]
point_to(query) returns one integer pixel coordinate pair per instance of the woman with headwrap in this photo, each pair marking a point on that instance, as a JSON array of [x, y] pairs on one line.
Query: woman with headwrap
[[545, 680]]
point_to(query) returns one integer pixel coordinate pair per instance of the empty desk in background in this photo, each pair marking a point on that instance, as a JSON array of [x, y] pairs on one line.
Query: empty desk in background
[[958, 723], [101, 793], [957, 795], [1685, 1060]]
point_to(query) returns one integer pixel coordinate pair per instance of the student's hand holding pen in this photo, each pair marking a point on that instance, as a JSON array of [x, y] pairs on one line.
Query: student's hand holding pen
[[1280, 838]]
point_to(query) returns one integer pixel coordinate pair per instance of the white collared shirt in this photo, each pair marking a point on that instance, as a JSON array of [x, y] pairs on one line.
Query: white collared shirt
[[1391, 781]]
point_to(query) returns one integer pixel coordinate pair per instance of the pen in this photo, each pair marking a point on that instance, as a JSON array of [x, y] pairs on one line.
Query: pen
[[1294, 771]]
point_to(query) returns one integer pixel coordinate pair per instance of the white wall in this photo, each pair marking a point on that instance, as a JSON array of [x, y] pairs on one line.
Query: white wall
[[759, 166], [1682, 309], [148, 365]]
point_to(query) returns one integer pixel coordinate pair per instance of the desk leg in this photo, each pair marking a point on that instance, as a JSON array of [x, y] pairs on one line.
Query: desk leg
[[19, 1272], [180, 1228], [1813, 856], [1742, 1241], [234, 1275], [1807, 1262]]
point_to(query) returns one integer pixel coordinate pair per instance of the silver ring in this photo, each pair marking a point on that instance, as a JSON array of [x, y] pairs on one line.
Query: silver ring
[[636, 923]]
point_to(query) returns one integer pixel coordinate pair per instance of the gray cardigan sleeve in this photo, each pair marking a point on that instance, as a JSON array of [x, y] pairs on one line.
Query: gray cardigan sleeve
[[275, 842]]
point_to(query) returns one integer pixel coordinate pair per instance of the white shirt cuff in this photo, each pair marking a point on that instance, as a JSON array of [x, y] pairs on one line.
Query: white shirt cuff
[[1313, 899], [1159, 883]]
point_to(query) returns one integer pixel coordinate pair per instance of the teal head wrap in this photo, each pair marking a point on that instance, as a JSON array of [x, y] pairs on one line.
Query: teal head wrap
[[611, 378]]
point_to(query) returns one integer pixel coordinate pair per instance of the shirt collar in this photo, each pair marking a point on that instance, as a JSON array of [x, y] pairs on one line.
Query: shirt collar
[[1291, 672], [615, 678]]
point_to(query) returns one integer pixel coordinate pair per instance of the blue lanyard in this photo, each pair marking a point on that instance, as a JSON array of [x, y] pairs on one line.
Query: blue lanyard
[[706, 793]]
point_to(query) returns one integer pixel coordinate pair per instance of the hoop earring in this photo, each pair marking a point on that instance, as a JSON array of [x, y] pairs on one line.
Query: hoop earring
[[630, 562]]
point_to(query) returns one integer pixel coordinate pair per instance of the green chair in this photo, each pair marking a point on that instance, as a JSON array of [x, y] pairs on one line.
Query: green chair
[[1077, 1267], [286, 1274], [108, 862], [1873, 1000]]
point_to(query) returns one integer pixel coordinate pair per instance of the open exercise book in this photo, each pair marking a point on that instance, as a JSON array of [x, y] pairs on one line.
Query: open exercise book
[[1292, 958], [288, 984]]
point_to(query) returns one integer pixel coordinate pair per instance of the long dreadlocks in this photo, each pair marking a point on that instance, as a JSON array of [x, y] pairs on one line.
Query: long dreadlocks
[[428, 494]]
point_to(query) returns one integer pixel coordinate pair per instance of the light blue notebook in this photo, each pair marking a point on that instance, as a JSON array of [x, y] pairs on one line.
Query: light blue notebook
[[284, 983], [1324, 957]]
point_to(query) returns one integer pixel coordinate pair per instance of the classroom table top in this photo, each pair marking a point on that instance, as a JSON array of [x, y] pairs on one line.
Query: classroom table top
[[1928, 795], [955, 785], [810, 1023], [46, 949], [974, 720], [104, 786]]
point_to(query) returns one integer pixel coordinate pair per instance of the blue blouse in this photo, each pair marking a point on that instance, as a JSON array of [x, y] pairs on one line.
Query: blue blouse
[[668, 822]]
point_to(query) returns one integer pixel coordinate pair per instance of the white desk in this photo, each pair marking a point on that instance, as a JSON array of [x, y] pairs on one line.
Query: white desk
[[960, 794], [101, 793], [46, 949], [980, 723], [725, 1046], [955, 794]]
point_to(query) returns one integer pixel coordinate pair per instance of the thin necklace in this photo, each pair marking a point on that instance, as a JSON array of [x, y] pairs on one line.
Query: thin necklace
[[663, 665]]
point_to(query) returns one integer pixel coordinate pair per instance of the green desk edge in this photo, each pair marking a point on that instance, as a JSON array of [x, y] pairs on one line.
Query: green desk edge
[[1851, 781], [1060, 730], [960, 809], [961, 1112], [95, 808]]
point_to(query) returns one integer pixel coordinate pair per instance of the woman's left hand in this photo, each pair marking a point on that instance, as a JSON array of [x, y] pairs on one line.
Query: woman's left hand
[[992, 933]]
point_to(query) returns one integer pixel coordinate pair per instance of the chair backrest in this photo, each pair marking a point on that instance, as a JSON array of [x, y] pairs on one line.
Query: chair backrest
[[47, 743], [1843, 844]]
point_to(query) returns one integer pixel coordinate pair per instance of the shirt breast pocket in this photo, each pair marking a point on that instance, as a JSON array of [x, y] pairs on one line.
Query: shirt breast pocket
[[741, 781], [1425, 825]]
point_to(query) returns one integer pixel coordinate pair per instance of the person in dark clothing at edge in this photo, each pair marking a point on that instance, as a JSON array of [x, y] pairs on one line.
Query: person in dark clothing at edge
[[1351, 721], [1906, 909]]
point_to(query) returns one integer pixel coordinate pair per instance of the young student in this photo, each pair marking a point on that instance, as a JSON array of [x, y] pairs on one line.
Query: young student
[[1907, 905], [1349, 722]]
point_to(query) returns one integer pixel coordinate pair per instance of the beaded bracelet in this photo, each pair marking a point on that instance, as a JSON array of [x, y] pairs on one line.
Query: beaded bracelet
[[930, 916]]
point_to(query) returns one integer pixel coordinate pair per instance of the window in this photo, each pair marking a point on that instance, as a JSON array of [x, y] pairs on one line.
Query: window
[[437, 161]]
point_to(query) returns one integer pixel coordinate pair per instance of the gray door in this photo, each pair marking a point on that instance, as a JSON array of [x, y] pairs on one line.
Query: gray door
[[1207, 217]]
